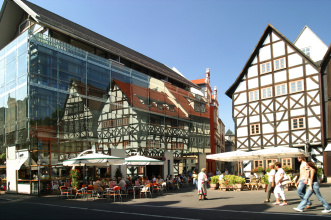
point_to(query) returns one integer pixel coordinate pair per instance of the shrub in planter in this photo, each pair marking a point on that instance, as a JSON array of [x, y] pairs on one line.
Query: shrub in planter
[[214, 182]]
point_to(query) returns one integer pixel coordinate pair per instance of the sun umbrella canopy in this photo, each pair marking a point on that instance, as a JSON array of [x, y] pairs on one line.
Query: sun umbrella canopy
[[231, 156], [142, 161], [94, 159], [278, 152]]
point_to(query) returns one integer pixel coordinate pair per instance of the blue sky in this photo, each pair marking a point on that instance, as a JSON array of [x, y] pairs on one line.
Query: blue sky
[[193, 35]]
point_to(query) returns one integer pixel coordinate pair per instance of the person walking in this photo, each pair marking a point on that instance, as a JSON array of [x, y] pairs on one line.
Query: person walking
[[313, 188], [303, 180], [279, 188], [271, 180], [195, 178], [202, 184]]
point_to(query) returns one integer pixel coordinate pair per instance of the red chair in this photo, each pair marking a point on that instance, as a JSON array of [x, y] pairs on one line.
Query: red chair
[[115, 191]]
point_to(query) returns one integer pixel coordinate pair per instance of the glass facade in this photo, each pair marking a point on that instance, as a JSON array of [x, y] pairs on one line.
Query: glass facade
[[57, 101]]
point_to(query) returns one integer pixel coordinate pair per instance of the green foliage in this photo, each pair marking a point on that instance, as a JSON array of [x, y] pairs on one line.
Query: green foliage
[[2, 156], [265, 179], [268, 169], [230, 180], [74, 173], [319, 172], [118, 173], [287, 169], [74, 183], [258, 170], [214, 179]]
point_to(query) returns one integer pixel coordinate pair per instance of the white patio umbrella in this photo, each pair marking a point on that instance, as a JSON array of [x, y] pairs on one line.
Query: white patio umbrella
[[138, 160], [237, 155], [93, 159], [278, 152]]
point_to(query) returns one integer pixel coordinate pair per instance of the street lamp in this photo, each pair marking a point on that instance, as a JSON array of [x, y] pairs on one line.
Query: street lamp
[[38, 162]]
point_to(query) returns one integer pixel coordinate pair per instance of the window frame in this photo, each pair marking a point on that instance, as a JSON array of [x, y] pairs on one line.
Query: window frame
[[286, 162], [259, 163], [255, 125], [270, 161], [255, 99], [296, 86], [265, 66], [280, 62], [304, 50], [280, 85], [298, 118], [266, 89]]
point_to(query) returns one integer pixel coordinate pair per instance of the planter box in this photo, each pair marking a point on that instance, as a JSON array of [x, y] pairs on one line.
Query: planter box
[[214, 186], [238, 187]]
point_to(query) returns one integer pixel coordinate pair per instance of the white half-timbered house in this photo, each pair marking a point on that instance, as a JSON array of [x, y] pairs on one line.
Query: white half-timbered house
[[276, 100]]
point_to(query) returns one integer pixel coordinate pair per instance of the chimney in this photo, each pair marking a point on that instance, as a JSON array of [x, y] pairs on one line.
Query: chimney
[[207, 76], [215, 93]]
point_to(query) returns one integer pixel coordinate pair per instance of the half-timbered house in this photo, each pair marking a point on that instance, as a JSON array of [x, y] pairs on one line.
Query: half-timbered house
[[277, 100]]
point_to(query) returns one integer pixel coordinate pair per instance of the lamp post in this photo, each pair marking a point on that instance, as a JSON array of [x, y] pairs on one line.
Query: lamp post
[[38, 162]]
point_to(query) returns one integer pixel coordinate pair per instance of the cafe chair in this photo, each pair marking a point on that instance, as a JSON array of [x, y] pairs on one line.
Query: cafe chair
[[145, 190]]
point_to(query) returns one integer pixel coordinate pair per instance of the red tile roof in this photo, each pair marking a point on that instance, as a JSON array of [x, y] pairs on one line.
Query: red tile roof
[[199, 81]]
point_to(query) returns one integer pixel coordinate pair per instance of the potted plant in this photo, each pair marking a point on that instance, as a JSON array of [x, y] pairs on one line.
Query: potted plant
[[238, 182], [265, 181], [258, 171], [214, 182], [287, 169]]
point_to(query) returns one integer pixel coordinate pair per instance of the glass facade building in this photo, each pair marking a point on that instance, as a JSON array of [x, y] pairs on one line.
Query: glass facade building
[[57, 100]]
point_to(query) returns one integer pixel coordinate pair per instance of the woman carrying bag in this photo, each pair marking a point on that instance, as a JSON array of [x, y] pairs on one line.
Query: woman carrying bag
[[271, 180], [313, 188]]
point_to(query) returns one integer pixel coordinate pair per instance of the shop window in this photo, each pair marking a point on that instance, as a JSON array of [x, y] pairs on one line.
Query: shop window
[[258, 163], [270, 161], [287, 162]]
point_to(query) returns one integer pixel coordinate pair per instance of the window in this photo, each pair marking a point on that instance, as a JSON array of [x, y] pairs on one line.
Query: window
[[126, 144], [271, 161], [253, 95], [298, 123], [306, 50], [266, 67], [266, 93], [279, 64], [177, 146], [281, 89], [287, 162], [255, 129], [153, 144], [258, 163], [296, 86]]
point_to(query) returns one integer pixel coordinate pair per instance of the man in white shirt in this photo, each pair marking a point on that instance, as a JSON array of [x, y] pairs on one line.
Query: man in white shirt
[[121, 183], [303, 179]]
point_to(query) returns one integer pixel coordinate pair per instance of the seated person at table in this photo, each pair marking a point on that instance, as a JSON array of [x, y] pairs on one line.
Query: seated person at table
[[159, 179], [121, 183], [251, 175], [128, 180], [98, 186], [154, 179]]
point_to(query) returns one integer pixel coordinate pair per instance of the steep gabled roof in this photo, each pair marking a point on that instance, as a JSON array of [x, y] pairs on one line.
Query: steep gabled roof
[[70, 28], [268, 30], [307, 28]]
